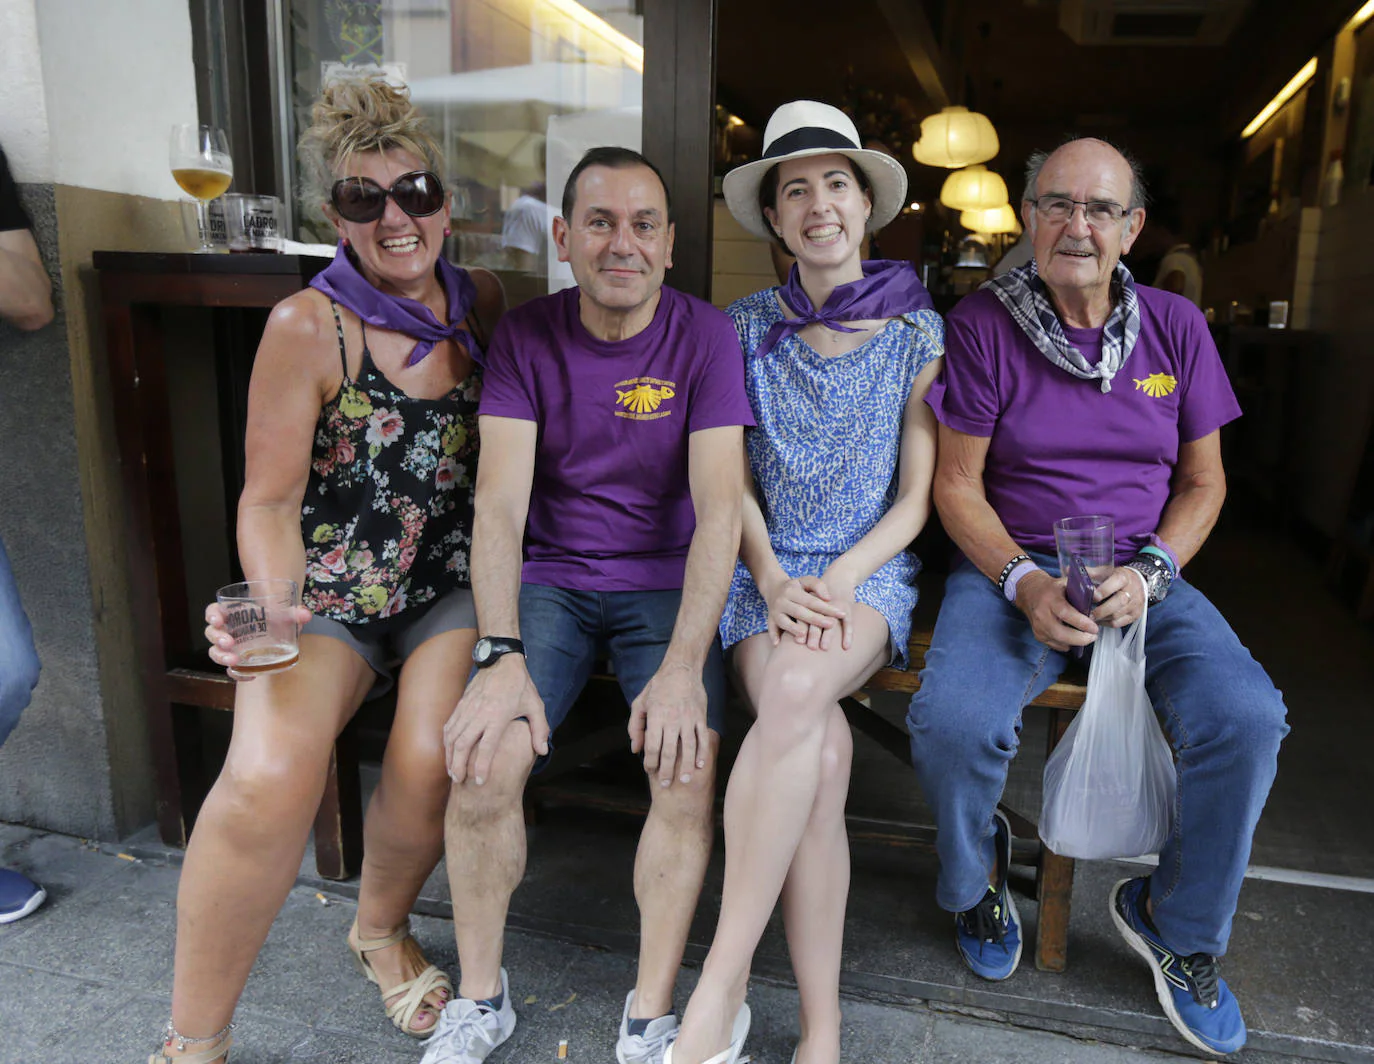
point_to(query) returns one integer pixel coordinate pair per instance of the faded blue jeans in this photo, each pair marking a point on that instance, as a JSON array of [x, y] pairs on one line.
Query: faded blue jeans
[[18, 659], [1222, 714]]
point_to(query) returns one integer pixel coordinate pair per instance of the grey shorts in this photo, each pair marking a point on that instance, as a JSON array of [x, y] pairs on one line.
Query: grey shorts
[[387, 642]]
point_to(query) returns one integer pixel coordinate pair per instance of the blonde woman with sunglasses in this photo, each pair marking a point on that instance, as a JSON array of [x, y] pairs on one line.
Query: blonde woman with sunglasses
[[361, 454]]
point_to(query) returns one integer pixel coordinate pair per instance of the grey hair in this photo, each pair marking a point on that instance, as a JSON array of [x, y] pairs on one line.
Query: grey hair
[[1036, 162]]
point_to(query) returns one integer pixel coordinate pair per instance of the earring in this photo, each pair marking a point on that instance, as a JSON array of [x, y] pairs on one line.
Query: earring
[[448, 231], [346, 242]]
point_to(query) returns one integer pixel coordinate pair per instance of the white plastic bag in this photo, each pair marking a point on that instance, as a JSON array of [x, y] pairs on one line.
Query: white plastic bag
[[1109, 784]]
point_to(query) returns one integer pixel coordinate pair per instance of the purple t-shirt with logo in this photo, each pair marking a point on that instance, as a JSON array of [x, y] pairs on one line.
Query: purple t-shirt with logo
[[1059, 446], [611, 505]]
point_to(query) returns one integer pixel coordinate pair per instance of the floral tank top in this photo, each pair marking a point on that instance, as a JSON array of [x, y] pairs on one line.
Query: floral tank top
[[387, 514]]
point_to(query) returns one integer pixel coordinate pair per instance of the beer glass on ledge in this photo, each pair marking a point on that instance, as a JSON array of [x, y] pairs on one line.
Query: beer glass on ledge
[[202, 167], [261, 616]]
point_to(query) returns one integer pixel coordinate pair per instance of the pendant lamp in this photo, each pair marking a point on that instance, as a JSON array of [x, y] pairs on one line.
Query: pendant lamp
[[955, 137], [974, 188], [994, 220]]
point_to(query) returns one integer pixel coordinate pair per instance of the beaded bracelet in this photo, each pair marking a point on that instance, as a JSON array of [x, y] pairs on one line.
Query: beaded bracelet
[[1006, 571]]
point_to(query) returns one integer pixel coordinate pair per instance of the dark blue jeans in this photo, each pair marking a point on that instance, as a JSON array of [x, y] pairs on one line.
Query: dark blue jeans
[[1223, 717], [18, 659], [566, 632]]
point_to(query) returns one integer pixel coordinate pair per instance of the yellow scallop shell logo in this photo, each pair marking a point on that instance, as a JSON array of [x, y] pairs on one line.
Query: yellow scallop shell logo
[[1156, 385]]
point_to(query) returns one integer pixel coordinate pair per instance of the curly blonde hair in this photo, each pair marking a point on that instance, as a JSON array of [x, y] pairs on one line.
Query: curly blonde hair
[[354, 115]]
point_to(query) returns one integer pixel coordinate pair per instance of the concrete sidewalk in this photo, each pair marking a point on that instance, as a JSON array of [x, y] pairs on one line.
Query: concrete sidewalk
[[87, 980]]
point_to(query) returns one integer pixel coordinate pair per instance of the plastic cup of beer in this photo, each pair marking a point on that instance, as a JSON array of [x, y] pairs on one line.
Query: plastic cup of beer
[[261, 616], [1091, 537]]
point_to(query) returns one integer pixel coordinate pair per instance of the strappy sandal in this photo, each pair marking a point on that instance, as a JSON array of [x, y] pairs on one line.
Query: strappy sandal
[[403, 1000], [217, 1047]]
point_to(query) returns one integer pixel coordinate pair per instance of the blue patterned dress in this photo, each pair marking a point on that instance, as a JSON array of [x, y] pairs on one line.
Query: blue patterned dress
[[824, 456]]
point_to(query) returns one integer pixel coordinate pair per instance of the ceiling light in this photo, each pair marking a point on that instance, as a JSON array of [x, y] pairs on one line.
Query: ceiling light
[[973, 188], [995, 220], [1301, 78], [955, 137]]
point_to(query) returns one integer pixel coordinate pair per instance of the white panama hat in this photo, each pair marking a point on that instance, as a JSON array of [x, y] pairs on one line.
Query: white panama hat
[[804, 128]]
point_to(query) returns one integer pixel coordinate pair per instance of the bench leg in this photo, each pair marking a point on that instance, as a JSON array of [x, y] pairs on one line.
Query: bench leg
[[1054, 889], [339, 823], [1054, 882]]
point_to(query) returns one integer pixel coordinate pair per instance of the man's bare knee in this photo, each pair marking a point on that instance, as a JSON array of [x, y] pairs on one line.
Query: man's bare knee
[[693, 800], [471, 805]]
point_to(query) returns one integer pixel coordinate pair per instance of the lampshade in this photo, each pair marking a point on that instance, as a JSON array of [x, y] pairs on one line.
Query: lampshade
[[993, 220], [974, 188], [955, 137]]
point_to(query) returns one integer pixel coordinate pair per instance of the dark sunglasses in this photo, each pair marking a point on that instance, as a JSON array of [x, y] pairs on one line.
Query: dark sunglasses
[[419, 193]]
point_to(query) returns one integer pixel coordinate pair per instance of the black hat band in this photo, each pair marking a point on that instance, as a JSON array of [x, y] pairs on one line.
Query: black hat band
[[809, 137]]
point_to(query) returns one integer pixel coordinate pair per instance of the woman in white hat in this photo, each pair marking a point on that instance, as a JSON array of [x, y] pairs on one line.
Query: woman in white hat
[[839, 360]]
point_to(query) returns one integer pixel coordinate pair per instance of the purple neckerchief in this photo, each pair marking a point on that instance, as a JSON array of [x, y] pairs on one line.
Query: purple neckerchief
[[342, 282], [888, 290]]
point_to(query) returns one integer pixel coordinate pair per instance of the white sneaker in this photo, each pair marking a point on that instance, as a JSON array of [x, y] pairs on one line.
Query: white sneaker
[[467, 1032], [646, 1048]]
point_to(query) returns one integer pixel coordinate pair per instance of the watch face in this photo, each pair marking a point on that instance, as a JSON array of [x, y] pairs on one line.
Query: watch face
[[481, 650]]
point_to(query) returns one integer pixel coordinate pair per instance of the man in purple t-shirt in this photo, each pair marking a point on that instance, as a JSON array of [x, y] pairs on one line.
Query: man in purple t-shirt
[[612, 423], [1068, 389]]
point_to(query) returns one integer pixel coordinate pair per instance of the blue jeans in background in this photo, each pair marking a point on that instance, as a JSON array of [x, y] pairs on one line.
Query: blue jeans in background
[[1222, 714], [18, 659]]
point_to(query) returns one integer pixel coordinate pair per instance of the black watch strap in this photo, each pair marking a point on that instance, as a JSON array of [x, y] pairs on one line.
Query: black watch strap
[[490, 648]]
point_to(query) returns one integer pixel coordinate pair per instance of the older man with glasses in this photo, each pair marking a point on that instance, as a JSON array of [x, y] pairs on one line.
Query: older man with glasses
[[1070, 389]]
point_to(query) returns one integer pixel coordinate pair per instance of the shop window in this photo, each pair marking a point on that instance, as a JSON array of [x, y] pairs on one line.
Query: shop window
[[515, 91]]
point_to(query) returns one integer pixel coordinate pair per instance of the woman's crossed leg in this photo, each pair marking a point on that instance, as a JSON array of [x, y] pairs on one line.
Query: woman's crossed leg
[[784, 835]]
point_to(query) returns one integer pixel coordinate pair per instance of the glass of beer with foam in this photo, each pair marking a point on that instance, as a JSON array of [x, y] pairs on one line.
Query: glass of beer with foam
[[261, 616], [201, 165]]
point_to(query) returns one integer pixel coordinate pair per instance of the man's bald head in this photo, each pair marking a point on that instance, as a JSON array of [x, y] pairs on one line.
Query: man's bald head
[[1092, 151]]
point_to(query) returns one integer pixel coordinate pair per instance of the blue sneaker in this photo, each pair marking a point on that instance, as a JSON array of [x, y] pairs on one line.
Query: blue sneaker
[[989, 934], [19, 896], [1194, 995]]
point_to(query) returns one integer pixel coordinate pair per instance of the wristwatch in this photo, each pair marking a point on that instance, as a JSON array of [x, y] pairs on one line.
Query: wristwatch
[[1158, 576], [487, 650]]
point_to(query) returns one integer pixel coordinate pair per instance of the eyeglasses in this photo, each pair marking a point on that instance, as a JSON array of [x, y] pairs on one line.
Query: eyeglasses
[[1098, 213], [419, 193]]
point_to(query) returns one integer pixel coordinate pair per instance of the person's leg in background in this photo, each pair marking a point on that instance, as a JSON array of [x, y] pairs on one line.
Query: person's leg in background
[[19, 895]]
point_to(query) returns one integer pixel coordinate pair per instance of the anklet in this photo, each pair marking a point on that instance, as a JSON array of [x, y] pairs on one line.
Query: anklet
[[182, 1041]]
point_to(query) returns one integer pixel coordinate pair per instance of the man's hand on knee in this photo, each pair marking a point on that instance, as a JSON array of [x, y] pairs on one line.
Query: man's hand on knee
[[494, 698], [668, 724]]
